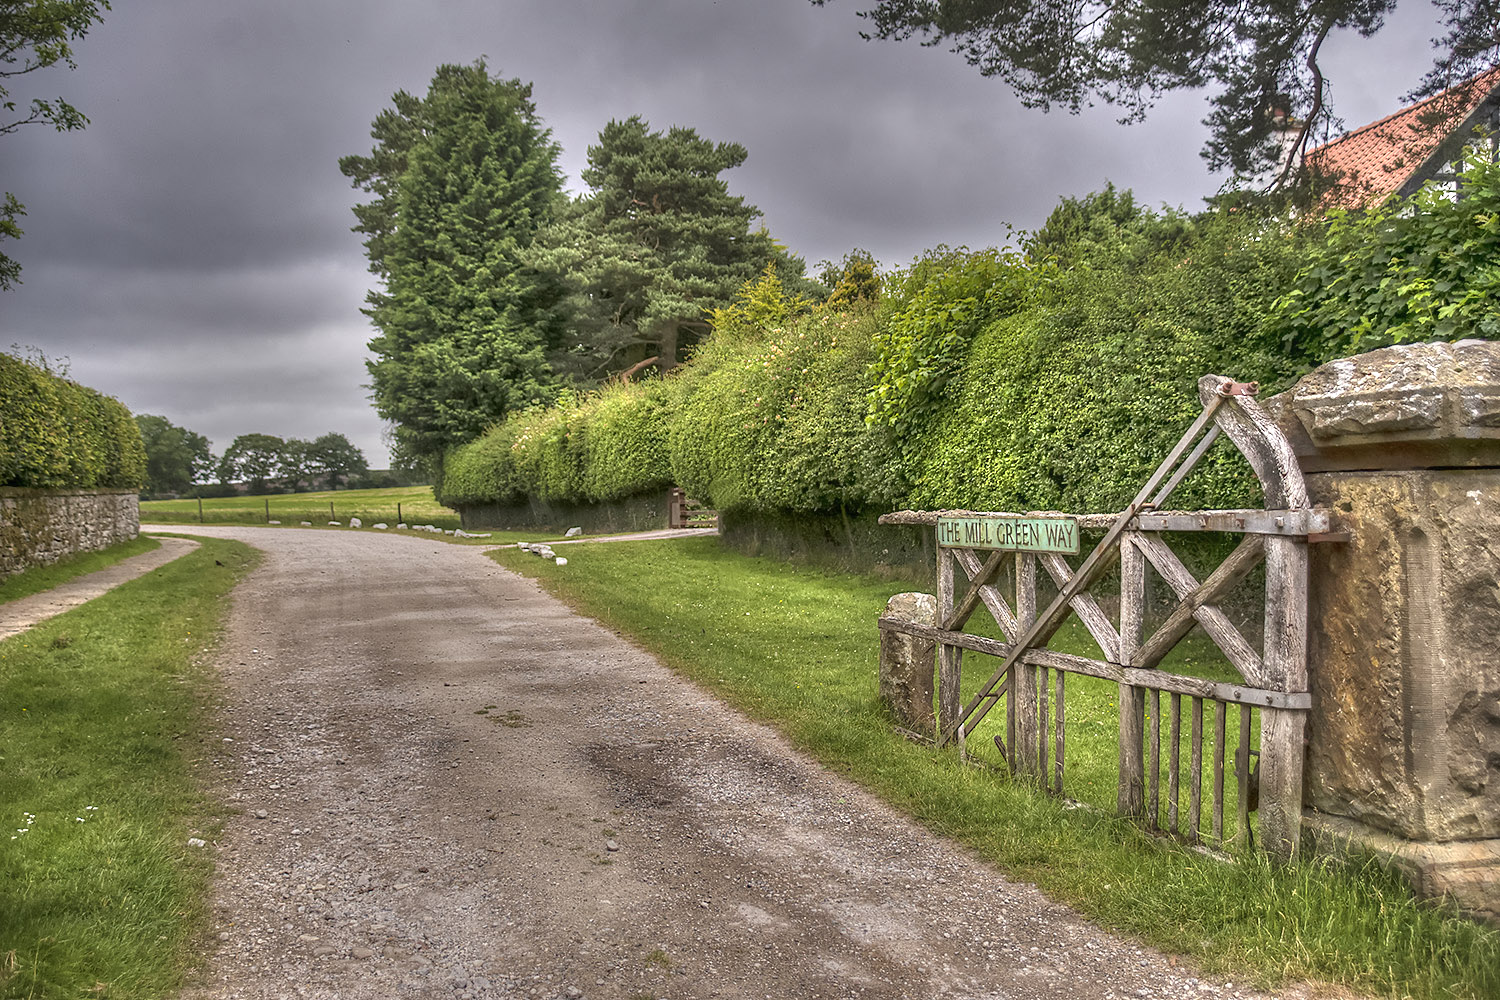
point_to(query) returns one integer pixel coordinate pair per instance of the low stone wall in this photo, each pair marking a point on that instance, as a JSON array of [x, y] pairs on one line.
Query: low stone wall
[[39, 527], [641, 513]]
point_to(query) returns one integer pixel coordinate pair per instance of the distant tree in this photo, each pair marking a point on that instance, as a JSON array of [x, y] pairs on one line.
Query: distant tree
[[35, 34], [462, 179], [297, 466], [253, 459], [334, 457], [176, 458], [656, 244], [854, 278], [1261, 57]]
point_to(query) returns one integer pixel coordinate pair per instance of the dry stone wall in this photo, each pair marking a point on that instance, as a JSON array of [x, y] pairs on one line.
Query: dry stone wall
[[39, 527]]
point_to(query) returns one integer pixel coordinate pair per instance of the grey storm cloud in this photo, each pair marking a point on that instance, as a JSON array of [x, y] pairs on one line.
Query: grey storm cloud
[[190, 251]]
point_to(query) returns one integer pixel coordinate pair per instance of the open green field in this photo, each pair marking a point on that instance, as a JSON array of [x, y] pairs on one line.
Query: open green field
[[797, 647], [417, 506], [103, 722]]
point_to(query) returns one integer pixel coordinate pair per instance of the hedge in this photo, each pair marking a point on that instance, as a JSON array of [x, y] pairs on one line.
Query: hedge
[[57, 434], [1053, 378]]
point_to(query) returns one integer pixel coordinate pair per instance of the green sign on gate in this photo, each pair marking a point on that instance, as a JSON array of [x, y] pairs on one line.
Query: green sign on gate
[[1013, 534]]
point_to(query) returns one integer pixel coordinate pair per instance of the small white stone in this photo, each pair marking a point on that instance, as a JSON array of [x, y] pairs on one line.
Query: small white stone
[[561, 561], [355, 522], [307, 524], [335, 524], [401, 526], [273, 522], [197, 842], [381, 525], [573, 532]]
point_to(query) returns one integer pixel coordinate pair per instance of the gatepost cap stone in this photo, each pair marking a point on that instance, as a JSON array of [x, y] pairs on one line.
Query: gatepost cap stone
[[920, 609], [1411, 406]]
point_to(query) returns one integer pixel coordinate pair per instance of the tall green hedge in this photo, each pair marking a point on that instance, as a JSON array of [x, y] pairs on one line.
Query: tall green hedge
[[1056, 378], [55, 433]]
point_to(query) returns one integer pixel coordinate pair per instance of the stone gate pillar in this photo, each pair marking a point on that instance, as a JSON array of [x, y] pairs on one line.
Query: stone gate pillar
[[1403, 444]]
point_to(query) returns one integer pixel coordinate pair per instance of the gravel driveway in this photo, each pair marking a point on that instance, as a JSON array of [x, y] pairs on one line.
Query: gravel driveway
[[444, 783]]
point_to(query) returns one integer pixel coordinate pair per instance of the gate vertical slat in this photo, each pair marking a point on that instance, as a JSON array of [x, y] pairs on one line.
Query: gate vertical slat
[[1057, 755], [1195, 791], [1041, 724], [1174, 768], [1154, 768], [1242, 780], [1219, 715]]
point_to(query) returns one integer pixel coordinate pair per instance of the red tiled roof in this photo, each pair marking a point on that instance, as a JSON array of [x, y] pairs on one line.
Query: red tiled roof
[[1372, 162]]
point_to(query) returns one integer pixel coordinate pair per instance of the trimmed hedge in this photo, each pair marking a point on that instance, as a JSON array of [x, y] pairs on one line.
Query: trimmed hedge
[[1056, 379], [57, 434]]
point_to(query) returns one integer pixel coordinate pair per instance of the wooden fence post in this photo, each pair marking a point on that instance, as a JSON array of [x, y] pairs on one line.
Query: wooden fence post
[[1130, 800], [1282, 731], [949, 658]]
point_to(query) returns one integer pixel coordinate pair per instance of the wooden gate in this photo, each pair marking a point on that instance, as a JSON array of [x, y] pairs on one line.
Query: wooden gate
[[1032, 677]]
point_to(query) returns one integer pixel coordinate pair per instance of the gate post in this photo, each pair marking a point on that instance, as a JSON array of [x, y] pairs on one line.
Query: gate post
[[1404, 442], [1132, 790], [949, 658]]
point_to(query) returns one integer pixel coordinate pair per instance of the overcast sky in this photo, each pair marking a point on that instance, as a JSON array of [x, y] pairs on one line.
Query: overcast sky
[[190, 252]]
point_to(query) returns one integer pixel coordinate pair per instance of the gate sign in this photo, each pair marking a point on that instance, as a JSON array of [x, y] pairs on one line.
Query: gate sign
[[1012, 534]]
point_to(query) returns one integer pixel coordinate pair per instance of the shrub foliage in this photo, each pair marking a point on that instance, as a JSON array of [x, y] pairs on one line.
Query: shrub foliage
[[1052, 378], [55, 433]]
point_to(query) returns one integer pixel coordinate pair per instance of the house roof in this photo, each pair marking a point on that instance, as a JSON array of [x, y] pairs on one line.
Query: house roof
[[1400, 151]]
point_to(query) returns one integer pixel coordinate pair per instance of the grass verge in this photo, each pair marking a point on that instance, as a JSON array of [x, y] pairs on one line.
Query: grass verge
[[102, 712], [34, 581], [797, 647]]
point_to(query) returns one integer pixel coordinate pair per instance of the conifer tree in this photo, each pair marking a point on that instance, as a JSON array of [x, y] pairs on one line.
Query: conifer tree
[[463, 178], [656, 244]]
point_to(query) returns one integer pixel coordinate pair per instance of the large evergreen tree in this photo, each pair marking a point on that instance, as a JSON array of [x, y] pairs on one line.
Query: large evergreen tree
[[463, 179], [655, 245]]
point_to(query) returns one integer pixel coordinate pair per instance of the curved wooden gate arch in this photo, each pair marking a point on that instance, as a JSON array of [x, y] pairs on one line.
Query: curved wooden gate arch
[[1274, 677]]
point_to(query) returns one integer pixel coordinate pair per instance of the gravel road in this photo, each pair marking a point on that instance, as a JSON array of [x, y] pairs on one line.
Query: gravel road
[[443, 783]]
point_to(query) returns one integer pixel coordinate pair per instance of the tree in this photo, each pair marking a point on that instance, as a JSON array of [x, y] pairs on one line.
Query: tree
[[296, 466], [334, 457], [35, 34], [1260, 55], [655, 246], [462, 179], [253, 459], [176, 458]]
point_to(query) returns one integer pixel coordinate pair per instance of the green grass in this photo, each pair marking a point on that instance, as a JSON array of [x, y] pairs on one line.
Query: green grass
[[797, 647], [370, 506], [102, 717], [34, 581]]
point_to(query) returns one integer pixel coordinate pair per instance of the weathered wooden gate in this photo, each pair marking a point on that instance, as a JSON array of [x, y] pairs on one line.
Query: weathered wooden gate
[[1033, 677]]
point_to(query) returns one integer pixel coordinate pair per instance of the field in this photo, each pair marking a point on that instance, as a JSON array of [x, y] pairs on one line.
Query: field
[[416, 504]]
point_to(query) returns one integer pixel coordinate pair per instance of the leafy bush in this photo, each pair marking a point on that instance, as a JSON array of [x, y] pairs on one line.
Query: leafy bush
[[933, 310], [1423, 269], [1070, 404], [624, 441], [55, 433]]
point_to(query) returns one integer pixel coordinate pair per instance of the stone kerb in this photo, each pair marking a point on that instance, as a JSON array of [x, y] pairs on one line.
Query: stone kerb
[[1403, 444], [39, 527]]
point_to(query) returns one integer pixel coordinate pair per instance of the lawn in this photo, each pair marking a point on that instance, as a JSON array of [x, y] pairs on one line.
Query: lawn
[[103, 717], [416, 503], [797, 647]]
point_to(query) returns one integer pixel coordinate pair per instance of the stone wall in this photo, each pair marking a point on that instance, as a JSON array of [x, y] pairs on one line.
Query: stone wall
[[39, 527], [642, 513], [1403, 446]]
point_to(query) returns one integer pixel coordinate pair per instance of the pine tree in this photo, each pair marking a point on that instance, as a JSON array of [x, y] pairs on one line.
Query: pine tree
[[654, 247]]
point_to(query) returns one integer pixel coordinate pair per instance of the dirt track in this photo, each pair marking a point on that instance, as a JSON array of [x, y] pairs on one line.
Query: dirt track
[[448, 785]]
